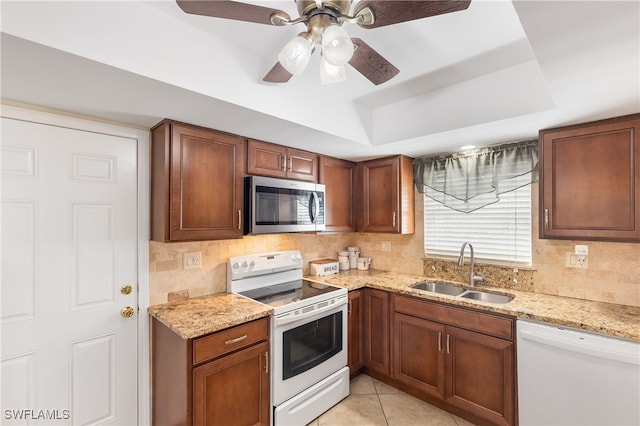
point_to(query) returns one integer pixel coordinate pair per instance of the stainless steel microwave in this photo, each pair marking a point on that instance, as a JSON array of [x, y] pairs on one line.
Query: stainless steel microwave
[[279, 205]]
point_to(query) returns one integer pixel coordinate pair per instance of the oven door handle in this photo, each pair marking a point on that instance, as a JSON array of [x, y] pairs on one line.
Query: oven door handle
[[290, 317]]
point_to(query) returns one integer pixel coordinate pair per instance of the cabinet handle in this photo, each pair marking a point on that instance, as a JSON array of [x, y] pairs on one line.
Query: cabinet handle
[[546, 218], [284, 163], [266, 362], [439, 341], [394, 219], [236, 340], [290, 164], [239, 220], [448, 351]]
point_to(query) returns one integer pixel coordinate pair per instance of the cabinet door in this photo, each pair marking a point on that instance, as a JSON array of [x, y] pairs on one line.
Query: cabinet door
[[339, 178], [233, 389], [480, 375], [206, 184], [376, 328], [266, 159], [418, 356], [380, 195], [355, 329], [590, 181], [388, 203], [302, 165]]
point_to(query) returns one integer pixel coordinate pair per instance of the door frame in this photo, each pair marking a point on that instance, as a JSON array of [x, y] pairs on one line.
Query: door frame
[[35, 114]]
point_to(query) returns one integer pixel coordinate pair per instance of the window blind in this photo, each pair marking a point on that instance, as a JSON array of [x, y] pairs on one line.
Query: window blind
[[500, 232]]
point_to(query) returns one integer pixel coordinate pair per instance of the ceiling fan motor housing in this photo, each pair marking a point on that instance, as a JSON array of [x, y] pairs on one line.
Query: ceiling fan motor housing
[[340, 6]]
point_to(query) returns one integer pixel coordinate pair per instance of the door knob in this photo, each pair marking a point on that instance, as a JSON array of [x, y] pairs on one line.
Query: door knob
[[127, 312], [126, 289]]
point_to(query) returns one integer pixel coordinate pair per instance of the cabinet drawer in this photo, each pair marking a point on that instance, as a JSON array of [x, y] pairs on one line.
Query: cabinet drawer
[[230, 340], [470, 320]]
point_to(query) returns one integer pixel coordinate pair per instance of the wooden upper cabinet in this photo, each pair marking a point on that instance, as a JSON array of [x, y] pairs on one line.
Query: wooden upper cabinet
[[339, 178], [387, 197], [196, 183], [590, 181], [273, 160]]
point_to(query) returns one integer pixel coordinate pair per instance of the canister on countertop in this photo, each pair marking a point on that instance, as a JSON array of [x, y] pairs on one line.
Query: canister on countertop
[[343, 260], [354, 253], [363, 263]]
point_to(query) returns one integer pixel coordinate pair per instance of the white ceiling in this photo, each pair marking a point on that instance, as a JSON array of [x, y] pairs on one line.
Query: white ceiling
[[496, 72]]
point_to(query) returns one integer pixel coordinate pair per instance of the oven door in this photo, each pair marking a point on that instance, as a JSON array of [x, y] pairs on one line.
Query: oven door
[[307, 350]]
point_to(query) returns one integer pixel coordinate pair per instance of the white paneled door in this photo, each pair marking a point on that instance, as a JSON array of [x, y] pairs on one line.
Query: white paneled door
[[69, 251]]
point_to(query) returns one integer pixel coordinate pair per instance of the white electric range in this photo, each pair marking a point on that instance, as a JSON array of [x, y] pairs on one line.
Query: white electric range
[[308, 333]]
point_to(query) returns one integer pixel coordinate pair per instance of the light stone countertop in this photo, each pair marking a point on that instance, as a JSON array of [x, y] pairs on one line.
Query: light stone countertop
[[196, 317], [607, 318], [204, 315]]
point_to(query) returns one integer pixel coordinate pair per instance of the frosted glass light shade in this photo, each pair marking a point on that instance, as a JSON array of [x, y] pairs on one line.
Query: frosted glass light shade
[[331, 73], [295, 55], [337, 47]]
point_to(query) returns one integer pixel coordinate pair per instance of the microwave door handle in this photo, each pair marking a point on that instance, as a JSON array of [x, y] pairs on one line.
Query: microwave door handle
[[316, 209]]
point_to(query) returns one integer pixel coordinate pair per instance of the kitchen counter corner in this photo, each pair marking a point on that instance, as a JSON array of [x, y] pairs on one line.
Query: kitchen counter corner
[[197, 317]]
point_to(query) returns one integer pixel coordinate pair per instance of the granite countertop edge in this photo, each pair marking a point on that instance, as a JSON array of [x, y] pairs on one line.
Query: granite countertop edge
[[204, 315], [599, 317]]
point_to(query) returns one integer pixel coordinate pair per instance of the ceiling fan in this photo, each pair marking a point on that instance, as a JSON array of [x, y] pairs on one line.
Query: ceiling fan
[[323, 19]]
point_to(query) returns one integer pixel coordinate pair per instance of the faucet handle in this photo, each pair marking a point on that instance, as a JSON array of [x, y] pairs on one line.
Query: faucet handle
[[478, 278]]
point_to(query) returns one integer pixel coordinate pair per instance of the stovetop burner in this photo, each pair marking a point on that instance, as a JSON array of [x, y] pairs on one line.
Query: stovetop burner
[[290, 292], [276, 280]]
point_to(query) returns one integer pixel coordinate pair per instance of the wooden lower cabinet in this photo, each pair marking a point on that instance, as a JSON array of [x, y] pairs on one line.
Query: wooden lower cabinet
[[462, 358], [376, 330], [233, 390], [218, 379], [480, 375], [355, 339], [418, 358]]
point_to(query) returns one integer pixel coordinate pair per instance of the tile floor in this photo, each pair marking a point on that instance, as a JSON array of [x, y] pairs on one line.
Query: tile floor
[[373, 403]]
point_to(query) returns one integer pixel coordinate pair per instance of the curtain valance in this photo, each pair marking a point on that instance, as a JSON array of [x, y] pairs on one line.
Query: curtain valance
[[467, 181]]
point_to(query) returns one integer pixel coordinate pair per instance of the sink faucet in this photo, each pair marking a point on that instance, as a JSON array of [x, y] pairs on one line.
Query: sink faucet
[[472, 277]]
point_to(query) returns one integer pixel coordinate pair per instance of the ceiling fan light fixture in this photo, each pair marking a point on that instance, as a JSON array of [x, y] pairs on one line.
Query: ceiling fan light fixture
[[337, 47], [331, 73], [295, 55]]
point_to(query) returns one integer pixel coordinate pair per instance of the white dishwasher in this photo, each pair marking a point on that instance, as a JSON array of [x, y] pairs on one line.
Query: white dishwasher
[[571, 377]]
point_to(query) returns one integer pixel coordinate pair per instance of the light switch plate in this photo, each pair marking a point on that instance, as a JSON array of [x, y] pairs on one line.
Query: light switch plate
[[582, 249]]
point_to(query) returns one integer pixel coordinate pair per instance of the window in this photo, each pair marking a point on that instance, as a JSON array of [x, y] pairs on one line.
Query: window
[[500, 232]]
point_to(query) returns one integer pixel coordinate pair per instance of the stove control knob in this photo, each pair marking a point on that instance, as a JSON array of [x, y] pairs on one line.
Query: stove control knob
[[235, 265], [252, 264], [245, 264]]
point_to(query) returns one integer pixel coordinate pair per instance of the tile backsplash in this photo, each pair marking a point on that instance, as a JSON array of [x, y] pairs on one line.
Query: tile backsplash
[[613, 274]]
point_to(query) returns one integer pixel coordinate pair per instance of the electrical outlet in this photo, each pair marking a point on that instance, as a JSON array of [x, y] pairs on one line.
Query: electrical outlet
[[583, 262], [191, 260], [386, 246], [577, 261]]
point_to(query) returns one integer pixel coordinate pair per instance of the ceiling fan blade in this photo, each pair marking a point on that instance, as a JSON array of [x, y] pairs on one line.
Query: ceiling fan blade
[[388, 12], [277, 74], [231, 10], [371, 64]]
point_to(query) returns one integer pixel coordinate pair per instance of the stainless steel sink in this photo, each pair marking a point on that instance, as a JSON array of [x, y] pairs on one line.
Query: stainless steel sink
[[487, 297], [439, 287]]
